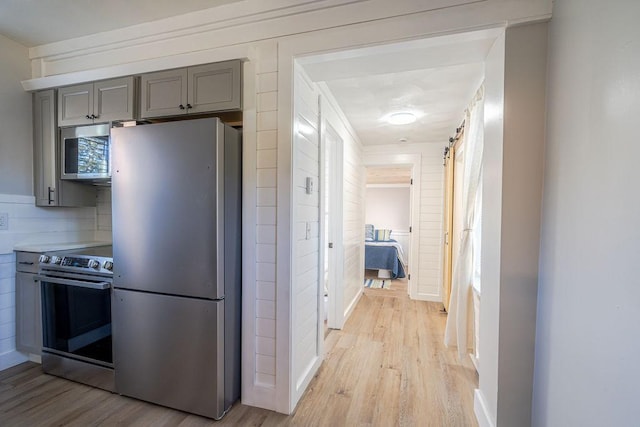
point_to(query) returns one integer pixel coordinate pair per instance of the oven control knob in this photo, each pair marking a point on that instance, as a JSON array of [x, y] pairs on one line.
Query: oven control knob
[[56, 260], [93, 263], [44, 259], [108, 265]]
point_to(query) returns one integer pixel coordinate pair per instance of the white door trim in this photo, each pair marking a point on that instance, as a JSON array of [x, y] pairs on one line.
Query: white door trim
[[335, 311]]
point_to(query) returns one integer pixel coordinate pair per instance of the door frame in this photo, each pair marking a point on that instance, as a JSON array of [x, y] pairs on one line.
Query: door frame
[[335, 313], [415, 162]]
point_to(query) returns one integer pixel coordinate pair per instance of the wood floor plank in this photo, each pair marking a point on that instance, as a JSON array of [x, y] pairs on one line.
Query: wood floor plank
[[388, 366]]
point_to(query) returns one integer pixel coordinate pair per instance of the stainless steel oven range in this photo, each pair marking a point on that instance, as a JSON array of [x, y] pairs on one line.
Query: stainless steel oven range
[[76, 316]]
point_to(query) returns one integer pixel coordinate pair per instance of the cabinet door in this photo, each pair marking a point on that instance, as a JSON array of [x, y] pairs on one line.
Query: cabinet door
[[113, 100], [28, 314], [44, 148], [215, 87], [75, 104], [163, 93]]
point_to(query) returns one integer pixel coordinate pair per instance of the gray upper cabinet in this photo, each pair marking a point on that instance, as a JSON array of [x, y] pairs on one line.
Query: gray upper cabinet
[[44, 147], [200, 89], [98, 102], [214, 87], [49, 189], [163, 93]]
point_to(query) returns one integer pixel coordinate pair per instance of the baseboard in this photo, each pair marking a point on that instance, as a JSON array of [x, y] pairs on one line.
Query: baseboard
[[11, 358], [259, 396], [36, 358], [481, 410], [352, 306], [428, 297]]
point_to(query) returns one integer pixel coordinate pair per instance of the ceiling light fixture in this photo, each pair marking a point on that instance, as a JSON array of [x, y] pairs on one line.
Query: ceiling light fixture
[[403, 118]]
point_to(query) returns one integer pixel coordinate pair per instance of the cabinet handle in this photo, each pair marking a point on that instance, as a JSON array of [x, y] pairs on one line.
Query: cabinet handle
[[51, 190], [189, 106], [25, 263], [93, 116], [181, 107], [88, 117]]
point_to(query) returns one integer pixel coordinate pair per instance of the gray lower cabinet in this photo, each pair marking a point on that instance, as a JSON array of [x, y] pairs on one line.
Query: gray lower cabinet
[[98, 102], [192, 90], [28, 312], [49, 189]]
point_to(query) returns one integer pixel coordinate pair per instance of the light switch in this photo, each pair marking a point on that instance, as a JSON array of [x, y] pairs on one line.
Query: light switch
[[4, 221], [309, 186], [308, 231]]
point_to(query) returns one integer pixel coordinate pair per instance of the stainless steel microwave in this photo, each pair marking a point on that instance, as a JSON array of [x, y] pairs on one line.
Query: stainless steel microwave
[[85, 153]]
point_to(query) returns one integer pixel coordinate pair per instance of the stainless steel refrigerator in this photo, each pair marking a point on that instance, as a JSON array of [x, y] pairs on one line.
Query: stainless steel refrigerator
[[176, 199]]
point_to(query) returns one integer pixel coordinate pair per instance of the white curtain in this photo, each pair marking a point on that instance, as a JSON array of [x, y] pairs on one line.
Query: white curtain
[[457, 333]]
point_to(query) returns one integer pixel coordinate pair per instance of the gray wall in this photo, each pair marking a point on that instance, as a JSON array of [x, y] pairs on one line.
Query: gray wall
[[588, 338], [15, 120]]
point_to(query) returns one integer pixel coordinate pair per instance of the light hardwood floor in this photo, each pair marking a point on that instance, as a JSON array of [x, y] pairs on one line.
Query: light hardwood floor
[[387, 367]]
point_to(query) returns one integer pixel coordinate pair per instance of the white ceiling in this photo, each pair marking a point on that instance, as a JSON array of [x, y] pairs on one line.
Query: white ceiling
[[435, 78], [36, 22]]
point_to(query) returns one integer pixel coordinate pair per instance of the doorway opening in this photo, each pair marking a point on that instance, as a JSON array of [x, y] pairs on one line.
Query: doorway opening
[[388, 202], [347, 104]]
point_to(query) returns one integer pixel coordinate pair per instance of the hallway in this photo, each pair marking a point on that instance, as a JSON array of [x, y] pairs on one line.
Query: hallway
[[387, 367]]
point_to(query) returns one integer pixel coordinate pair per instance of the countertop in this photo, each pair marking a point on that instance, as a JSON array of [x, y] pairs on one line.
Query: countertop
[[50, 247]]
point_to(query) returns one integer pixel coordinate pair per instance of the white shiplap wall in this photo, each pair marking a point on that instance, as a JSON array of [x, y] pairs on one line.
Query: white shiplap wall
[[29, 224], [431, 211], [353, 222], [266, 87], [8, 356], [430, 223], [306, 217], [353, 200]]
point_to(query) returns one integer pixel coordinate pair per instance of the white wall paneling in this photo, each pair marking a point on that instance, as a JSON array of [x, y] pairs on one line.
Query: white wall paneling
[[260, 355], [306, 291], [8, 354], [348, 198], [270, 35], [29, 224]]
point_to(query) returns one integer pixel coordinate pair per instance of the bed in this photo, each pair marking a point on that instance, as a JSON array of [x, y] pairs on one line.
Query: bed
[[385, 254]]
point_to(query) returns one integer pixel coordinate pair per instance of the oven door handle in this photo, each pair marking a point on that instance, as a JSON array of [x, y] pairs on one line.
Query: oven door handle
[[77, 283]]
